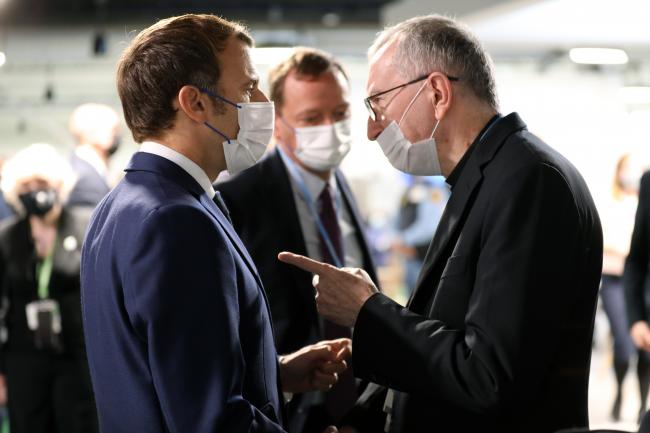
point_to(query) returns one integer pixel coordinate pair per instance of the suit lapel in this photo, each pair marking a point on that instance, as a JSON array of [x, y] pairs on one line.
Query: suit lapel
[[280, 199], [456, 207], [223, 221], [64, 255], [460, 201], [143, 161]]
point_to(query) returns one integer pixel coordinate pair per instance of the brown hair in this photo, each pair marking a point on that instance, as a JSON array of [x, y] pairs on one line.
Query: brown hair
[[306, 62], [163, 58]]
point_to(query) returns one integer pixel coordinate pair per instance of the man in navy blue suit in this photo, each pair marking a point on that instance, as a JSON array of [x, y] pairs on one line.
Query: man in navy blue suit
[[176, 321]]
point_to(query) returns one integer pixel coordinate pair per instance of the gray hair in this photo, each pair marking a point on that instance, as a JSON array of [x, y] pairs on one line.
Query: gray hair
[[40, 161], [433, 42]]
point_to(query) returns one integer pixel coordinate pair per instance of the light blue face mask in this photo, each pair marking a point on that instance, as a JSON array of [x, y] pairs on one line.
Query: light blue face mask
[[256, 121]]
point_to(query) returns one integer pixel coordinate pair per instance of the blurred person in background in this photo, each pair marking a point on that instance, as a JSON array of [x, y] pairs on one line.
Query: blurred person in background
[[5, 210], [43, 353], [420, 210], [303, 203], [635, 280], [618, 221], [95, 128]]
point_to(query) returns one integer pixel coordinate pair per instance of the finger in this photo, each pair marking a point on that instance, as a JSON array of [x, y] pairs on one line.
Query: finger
[[305, 263], [321, 353], [341, 346], [334, 367], [646, 342], [337, 344], [324, 381], [344, 353], [638, 342], [331, 429]]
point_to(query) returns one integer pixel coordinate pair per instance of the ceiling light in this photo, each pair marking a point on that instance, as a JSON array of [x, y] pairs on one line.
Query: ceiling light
[[270, 55], [598, 56]]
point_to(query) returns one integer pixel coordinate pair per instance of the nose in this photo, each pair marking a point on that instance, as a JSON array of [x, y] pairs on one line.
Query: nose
[[259, 96], [374, 129]]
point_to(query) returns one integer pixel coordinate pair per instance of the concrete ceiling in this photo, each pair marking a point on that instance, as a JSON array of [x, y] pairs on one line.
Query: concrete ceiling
[[401, 10], [539, 28]]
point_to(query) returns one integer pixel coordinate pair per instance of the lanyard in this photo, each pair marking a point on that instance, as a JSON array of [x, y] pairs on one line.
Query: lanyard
[[44, 273], [308, 199]]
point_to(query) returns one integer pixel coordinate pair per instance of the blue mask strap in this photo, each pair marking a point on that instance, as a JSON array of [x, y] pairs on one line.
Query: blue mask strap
[[214, 95], [217, 131]]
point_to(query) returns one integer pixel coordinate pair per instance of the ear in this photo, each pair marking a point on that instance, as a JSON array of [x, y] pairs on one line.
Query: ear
[[278, 127], [442, 93], [193, 103]]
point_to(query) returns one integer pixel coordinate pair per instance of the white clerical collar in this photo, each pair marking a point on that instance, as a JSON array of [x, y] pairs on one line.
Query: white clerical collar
[[182, 161]]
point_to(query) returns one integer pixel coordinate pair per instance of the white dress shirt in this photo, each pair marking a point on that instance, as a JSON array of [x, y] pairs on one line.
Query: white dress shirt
[[182, 161], [315, 185]]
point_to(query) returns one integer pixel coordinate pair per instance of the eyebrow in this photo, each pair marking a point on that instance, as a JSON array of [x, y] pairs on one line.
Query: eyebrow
[[312, 111]]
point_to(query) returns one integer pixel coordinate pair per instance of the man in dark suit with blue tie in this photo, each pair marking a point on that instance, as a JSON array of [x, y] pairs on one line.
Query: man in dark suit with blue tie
[[176, 321], [303, 204]]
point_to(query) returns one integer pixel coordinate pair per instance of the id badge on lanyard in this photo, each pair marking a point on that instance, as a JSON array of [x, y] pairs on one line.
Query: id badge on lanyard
[[44, 314]]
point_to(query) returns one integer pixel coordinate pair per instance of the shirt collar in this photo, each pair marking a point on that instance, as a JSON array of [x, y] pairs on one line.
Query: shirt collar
[[314, 184], [182, 161], [452, 179]]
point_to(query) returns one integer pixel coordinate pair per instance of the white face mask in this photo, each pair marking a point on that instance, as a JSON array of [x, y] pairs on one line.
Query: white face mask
[[323, 147], [420, 158], [256, 121]]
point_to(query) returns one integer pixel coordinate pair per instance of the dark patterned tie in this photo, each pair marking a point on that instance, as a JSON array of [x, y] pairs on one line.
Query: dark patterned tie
[[340, 399]]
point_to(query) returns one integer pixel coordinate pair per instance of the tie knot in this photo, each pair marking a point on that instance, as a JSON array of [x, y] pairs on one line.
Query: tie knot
[[325, 194]]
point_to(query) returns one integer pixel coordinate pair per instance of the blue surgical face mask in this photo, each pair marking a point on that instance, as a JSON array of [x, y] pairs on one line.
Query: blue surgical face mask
[[256, 120]]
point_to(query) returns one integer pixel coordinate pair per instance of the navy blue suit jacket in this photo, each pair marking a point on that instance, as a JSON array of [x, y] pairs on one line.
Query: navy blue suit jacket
[[177, 325]]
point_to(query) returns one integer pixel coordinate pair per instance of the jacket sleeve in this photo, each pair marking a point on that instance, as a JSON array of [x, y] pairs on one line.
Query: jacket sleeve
[[367, 415], [636, 263], [183, 303], [520, 294]]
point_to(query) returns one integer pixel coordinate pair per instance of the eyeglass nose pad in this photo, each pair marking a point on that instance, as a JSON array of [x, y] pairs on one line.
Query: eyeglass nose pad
[[371, 111]]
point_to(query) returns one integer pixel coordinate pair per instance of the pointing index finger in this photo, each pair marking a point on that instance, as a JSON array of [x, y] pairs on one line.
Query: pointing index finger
[[305, 263]]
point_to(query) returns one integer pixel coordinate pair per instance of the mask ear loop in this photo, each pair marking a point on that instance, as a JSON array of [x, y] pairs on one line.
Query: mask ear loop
[[295, 133], [434, 129], [214, 95], [411, 104], [217, 131]]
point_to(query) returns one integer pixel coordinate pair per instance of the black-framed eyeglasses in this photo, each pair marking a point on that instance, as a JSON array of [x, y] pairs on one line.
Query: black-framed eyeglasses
[[368, 101]]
